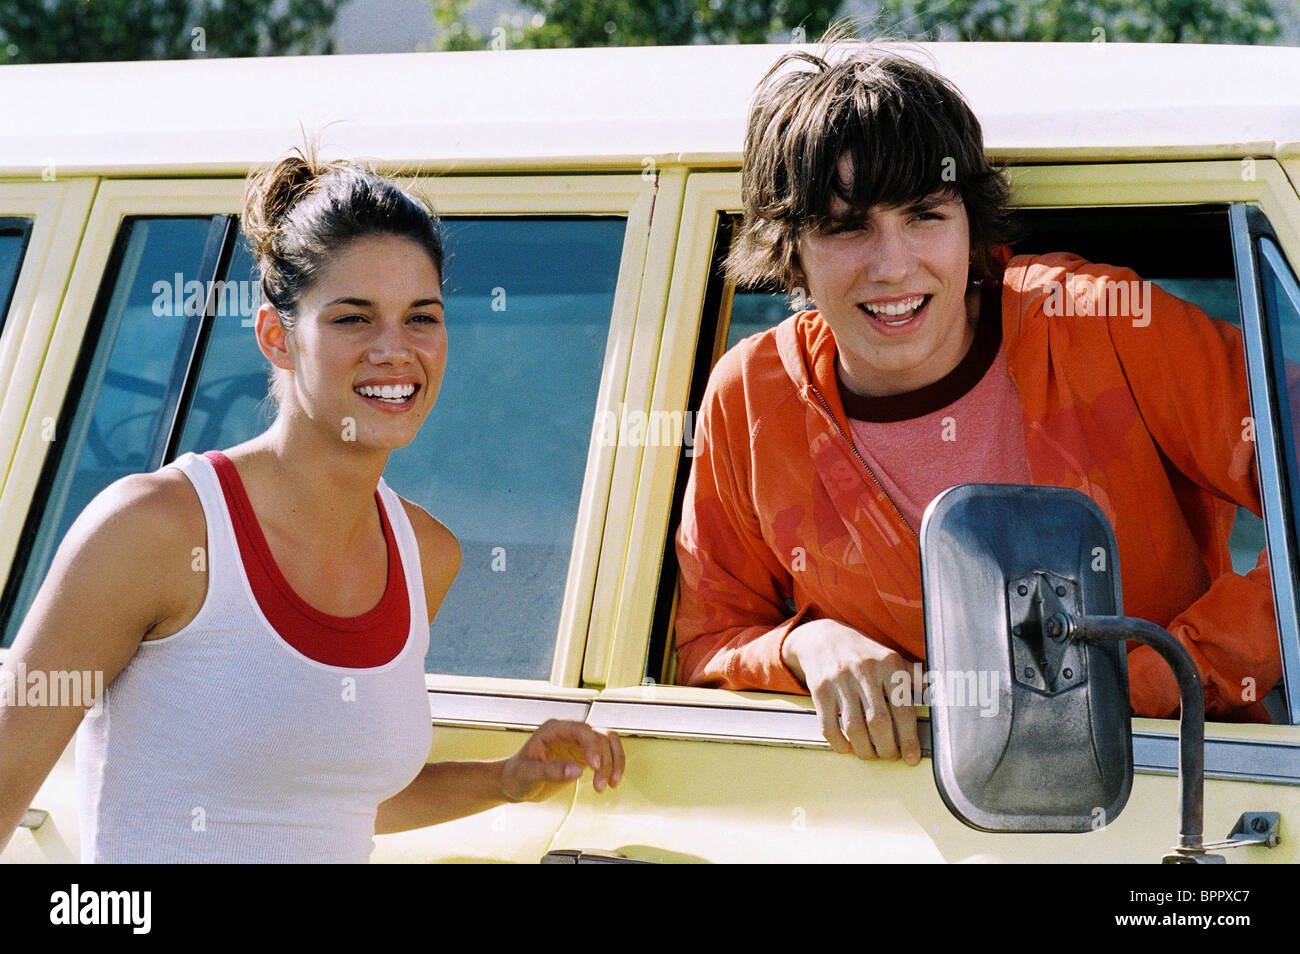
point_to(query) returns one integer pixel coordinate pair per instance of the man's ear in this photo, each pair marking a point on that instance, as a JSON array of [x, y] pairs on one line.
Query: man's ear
[[273, 337]]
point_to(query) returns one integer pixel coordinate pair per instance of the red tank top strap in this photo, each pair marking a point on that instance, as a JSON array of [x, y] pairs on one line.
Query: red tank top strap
[[372, 639]]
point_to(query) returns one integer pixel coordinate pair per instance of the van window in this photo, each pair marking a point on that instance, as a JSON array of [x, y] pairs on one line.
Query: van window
[[228, 402], [14, 234], [125, 388], [1184, 250], [500, 459], [1281, 299]]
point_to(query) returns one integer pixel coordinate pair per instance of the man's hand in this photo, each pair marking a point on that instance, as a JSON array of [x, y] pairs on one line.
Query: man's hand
[[555, 754], [851, 679]]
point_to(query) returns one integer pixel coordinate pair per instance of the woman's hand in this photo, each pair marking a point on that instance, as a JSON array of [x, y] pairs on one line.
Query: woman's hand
[[556, 754]]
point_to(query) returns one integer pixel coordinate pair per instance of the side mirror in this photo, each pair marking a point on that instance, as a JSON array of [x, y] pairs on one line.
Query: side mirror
[[1052, 750], [1022, 591]]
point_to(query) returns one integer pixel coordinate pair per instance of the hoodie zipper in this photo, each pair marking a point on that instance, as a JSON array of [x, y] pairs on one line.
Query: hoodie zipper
[[853, 447]]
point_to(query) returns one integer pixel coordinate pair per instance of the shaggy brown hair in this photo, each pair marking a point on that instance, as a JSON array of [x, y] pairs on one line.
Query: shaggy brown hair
[[909, 134]]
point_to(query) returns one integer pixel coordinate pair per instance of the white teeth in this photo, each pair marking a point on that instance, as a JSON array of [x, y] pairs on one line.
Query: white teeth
[[387, 392], [895, 308]]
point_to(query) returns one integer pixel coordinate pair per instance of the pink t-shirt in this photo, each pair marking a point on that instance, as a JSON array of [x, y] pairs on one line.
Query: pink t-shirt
[[964, 428]]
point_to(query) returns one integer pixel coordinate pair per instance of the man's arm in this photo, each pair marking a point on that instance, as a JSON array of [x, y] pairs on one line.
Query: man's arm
[[732, 615], [734, 629], [1187, 373]]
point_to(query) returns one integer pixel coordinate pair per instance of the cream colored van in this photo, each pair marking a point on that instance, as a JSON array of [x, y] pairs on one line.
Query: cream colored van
[[589, 196]]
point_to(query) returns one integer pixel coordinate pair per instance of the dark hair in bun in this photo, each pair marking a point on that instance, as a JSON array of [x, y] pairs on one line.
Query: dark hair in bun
[[303, 210]]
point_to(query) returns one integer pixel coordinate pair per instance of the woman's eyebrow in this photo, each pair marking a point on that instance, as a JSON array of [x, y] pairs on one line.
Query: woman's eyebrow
[[367, 303]]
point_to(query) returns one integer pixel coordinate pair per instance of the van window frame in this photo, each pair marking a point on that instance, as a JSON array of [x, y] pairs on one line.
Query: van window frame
[[1255, 247], [57, 210]]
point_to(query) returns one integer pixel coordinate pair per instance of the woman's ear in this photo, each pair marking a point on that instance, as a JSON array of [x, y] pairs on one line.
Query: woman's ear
[[273, 337]]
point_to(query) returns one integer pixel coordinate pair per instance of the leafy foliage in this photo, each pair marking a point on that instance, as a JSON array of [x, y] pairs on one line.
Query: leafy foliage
[[53, 31], [676, 22], [1150, 21], [584, 23]]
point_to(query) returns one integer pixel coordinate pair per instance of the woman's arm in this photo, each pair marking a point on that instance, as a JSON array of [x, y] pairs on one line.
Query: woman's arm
[[553, 755], [123, 572]]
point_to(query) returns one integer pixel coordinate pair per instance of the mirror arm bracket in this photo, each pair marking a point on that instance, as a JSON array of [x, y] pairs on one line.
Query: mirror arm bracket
[[1191, 728]]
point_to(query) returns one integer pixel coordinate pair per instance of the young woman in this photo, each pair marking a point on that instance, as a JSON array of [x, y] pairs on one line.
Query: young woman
[[260, 616]]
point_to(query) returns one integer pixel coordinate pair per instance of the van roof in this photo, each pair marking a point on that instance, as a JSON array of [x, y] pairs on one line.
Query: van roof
[[613, 108]]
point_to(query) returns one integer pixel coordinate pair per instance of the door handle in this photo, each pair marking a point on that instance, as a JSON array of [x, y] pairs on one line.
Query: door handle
[[575, 856]]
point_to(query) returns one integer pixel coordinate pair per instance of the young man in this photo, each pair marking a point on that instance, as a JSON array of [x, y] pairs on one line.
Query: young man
[[933, 359]]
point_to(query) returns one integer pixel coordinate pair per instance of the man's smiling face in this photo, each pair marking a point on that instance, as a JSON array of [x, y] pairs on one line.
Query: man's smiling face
[[891, 282]]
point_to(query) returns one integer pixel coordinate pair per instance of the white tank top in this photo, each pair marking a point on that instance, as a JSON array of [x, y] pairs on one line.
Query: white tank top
[[222, 743]]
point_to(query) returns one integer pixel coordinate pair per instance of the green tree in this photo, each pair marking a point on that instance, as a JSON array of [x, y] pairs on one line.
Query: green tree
[[644, 22], [55, 31], [1151, 21], [453, 33]]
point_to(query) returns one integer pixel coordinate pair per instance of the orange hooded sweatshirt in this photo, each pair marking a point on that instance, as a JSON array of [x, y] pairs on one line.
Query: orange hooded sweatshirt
[[1146, 413]]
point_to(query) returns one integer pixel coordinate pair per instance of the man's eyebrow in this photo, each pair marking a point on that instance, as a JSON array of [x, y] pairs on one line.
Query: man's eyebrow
[[932, 201], [846, 213]]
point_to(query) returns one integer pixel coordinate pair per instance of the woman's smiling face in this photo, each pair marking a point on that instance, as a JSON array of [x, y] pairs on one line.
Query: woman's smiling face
[[891, 282], [369, 344]]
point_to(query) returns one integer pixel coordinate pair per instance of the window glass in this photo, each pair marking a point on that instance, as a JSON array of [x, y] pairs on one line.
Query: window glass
[[1217, 297], [1281, 296], [501, 457], [117, 413], [13, 243], [230, 403], [755, 311]]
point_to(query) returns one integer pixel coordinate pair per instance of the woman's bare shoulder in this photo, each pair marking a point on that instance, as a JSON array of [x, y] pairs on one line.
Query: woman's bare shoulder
[[439, 554], [153, 508], [125, 571], [144, 534]]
